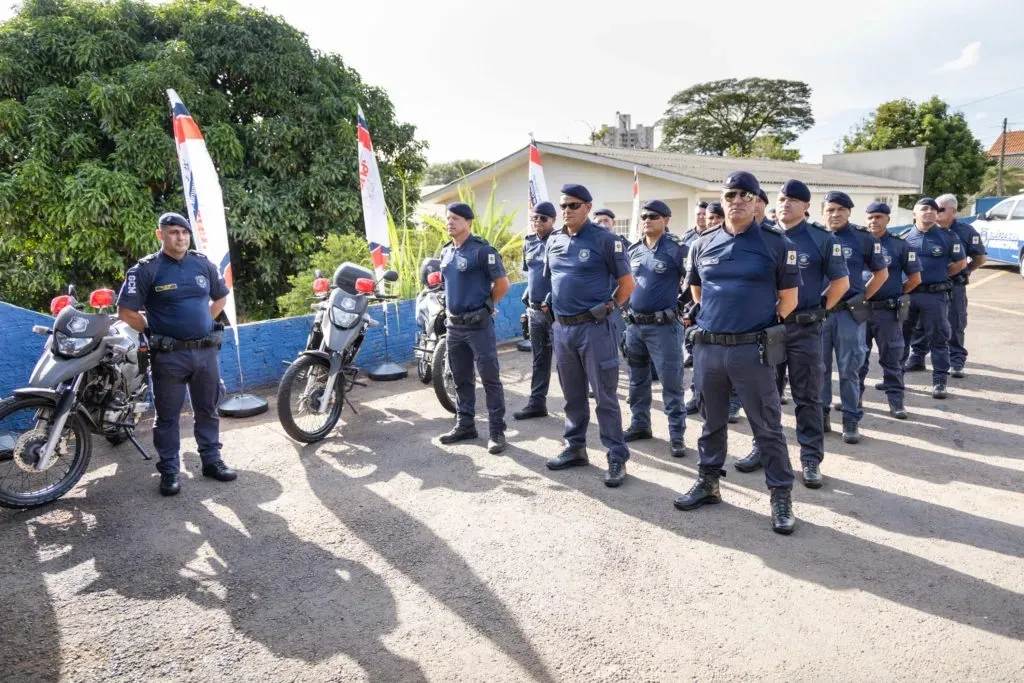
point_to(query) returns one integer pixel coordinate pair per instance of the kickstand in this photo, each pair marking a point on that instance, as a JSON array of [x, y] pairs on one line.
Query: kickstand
[[349, 402], [135, 442]]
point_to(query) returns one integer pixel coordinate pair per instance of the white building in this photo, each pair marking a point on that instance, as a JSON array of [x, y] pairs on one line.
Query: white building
[[680, 180], [626, 136]]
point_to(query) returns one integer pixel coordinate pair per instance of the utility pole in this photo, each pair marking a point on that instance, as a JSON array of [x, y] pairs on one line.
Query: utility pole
[[1002, 153]]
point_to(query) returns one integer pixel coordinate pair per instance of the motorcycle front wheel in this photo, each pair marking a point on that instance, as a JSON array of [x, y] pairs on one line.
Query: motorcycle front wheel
[[444, 383], [298, 397], [25, 426]]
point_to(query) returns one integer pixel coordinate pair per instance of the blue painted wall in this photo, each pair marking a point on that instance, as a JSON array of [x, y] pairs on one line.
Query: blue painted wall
[[264, 345]]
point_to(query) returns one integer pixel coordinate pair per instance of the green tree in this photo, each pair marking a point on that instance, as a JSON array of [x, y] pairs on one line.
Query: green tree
[[1013, 181], [442, 174], [729, 115], [87, 156], [767, 147], [954, 161]]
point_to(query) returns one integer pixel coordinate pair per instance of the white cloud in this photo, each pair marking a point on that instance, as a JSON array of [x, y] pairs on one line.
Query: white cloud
[[969, 57], [980, 115]]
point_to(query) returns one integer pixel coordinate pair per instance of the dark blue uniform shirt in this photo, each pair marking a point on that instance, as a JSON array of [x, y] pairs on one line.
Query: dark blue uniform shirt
[[468, 272], [936, 249], [176, 295], [861, 250], [820, 258], [658, 273], [740, 278], [538, 284], [901, 259], [969, 237], [584, 268]]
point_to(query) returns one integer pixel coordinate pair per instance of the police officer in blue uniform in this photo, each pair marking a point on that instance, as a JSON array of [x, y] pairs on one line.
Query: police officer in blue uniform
[[688, 238], [888, 305], [760, 207], [744, 279], [182, 294], [715, 215], [976, 254], [845, 329], [474, 282], [590, 281], [942, 256], [654, 334], [606, 219], [537, 300], [819, 256]]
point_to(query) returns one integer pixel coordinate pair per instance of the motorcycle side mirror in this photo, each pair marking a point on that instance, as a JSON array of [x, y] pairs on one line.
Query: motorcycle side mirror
[[318, 273], [71, 292], [391, 276], [321, 285], [59, 303], [434, 279]]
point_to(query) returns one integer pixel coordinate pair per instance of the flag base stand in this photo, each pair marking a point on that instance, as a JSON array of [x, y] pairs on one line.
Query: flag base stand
[[388, 372], [524, 345], [242, 405]]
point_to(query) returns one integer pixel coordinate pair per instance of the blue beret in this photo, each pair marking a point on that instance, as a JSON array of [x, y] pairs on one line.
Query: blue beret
[[658, 206], [461, 209], [716, 208], [702, 204], [879, 207], [545, 209], [605, 212], [794, 189], [762, 196], [741, 180], [577, 191], [174, 219], [927, 201], [840, 198]]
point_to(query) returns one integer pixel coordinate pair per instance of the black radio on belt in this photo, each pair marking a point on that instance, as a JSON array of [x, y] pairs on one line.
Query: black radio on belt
[[934, 287], [807, 316], [961, 278]]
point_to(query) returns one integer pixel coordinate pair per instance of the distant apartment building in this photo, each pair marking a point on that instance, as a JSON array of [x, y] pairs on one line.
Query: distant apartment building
[[625, 136]]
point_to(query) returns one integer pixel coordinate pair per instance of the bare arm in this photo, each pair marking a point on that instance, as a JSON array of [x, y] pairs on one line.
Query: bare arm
[[913, 280], [955, 267], [625, 288], [787, 302], [499, 289], [835, 291], [217, 306], [878, 278], [695, 293], [133, 319], [976, 262]]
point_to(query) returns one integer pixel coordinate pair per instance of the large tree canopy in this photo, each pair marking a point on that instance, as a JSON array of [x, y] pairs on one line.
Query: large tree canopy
[[87, 157], [728, 116], [442, 174], [954, 161]]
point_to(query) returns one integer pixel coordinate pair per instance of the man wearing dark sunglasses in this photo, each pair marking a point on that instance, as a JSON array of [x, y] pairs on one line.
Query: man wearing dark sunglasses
[[653, 333], [744, 279], [820, 258], [975, 250], [844, 331], [590, 281], [538, 287]]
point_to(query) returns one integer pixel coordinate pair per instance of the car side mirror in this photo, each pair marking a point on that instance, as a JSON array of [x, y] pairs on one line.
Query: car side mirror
[[391, 276]]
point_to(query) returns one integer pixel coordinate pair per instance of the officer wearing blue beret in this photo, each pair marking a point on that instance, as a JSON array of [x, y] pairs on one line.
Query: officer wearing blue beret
[[716, 215], [537, 299], [182, 293], [761, 207], [605, 218], [820, 259], [942, 256], [654, 333], [474, 282], [688, 238], [885, 326], [976, 254], [844, 331], [744, 279], [590, 281]]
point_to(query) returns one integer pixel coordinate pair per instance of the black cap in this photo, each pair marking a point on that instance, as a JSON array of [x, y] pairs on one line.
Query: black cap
[[927, 201], [545, 209], [795, 189], [702, 204], [171, 218], [741, 180], [716, 209], [840, 198], [578, 191], [461, 209], [605, 212], [659, 207], [879, 207]]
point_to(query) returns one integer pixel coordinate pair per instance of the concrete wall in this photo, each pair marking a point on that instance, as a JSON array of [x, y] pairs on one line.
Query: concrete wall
[[264, 345]]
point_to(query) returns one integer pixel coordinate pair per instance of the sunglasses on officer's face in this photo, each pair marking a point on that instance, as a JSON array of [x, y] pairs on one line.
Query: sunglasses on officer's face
[[540, 219], [941, 209], [742, 194], [572, 206], [649, 216]]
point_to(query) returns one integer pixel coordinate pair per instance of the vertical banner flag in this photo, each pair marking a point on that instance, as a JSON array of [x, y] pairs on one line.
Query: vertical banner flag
[[634, 223], [203, 198], [538, 188], [375, 214]]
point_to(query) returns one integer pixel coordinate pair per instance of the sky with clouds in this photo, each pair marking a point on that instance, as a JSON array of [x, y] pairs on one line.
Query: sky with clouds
[[477, 77]]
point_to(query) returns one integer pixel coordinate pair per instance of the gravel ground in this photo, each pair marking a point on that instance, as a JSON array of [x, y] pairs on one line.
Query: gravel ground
[[379, 555]]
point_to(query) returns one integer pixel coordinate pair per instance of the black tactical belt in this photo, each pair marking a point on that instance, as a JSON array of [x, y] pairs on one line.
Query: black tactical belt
[[658, 318], [163, 344], [469, 317], [585, 317], [934, 287], [703, 337], [885, 304], [807, 316]]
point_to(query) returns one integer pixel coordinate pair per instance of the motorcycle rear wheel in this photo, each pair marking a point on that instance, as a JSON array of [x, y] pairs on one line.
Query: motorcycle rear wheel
[[444, 383], [293, 387], [424, 371], [71, 465]]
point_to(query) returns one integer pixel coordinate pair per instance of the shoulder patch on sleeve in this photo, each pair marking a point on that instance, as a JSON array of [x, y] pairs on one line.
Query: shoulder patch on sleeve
[[837, 249], [490, 259], [976, 240], [878, 248], [791, 258], [618, 246], [956, 248], [912, 255]]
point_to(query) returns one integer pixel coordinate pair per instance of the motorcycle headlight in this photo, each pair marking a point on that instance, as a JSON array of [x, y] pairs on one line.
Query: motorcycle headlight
[[73, 347], [346, 319]]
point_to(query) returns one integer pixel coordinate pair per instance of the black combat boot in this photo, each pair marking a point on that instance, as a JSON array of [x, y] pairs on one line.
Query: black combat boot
[[783, 520], [704, 491]]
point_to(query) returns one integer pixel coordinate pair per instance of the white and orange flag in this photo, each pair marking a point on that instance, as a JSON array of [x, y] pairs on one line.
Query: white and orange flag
[[203, 199], [634, 223], [375, 210], [538, 188]]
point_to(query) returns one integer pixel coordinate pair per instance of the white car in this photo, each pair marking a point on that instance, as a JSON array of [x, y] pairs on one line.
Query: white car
[[1002, 232]]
